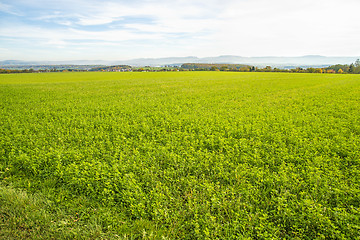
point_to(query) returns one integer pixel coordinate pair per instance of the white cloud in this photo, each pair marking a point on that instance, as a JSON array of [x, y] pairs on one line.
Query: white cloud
[[287, 28], [9, 9], [197, 27], [70, 34]]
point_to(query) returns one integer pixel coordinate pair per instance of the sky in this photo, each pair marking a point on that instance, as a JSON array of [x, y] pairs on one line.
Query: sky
[[120, 30]]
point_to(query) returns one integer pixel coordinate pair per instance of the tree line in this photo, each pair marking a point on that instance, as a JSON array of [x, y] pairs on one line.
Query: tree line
[[353, 68]]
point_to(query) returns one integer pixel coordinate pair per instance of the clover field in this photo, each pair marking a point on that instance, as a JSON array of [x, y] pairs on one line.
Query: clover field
[[179, 155]]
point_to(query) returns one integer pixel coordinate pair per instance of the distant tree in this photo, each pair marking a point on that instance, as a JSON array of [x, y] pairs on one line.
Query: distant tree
[[340, 71], [357, 66], [223, 68], [311, 70], [268, 69], [357, 63], [245, 69], [351, 68], [298, 70]]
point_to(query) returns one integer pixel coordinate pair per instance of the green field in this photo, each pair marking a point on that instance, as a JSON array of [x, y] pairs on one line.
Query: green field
[[179, 155]]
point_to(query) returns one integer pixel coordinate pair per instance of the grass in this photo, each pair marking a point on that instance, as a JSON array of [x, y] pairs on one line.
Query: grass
[[179, 155], [31, 216]]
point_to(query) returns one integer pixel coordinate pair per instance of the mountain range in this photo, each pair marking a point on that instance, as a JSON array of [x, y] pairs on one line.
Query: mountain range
[[307, 61]]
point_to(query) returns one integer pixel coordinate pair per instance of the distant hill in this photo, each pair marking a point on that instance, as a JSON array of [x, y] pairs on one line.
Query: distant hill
[[309, 61]]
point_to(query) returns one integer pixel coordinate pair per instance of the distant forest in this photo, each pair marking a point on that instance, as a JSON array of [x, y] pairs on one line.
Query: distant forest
[[353, 68]]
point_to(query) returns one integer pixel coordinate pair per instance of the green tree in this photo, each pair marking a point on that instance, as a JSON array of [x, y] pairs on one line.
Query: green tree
[[224, 68], [357, 66], [357, 63], [311, 70], [351, 68]]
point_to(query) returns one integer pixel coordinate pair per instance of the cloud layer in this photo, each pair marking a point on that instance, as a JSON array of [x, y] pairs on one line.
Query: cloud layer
[[93, 29]]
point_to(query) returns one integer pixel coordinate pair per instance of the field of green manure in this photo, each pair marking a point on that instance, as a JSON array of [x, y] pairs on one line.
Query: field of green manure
[[179, 155]]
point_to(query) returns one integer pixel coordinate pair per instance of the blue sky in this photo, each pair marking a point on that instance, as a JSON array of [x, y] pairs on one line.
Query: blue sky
[[120, 30]]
